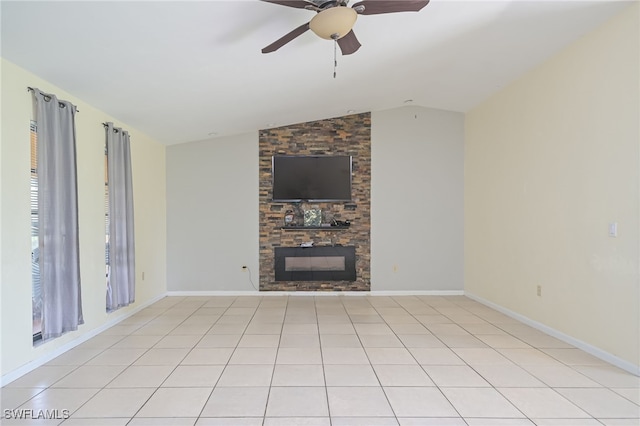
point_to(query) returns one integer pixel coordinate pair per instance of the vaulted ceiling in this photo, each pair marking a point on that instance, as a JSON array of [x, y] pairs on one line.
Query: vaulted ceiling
[[184, 71]]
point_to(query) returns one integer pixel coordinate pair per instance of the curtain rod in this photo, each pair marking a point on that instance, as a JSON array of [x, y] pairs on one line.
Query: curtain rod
[[31, 89], [115, 130]]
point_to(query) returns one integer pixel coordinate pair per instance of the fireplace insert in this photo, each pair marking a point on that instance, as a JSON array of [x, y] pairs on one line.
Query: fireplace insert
[[323, 263]]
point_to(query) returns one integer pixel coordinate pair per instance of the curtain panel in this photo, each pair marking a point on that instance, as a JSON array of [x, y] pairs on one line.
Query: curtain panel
[[121, 244], [59, 259]]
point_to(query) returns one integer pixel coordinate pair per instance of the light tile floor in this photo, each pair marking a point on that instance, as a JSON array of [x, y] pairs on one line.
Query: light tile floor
[[326, 360]]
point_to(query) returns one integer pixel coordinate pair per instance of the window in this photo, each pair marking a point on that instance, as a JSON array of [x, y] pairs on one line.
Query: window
[[120, 235], [106, 215], [36, 296], [57, 303]]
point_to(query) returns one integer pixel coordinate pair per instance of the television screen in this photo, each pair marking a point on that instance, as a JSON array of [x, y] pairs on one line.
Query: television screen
[[311, 178]]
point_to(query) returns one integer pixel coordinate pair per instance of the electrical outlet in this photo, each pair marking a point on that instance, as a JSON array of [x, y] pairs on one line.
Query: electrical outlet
[[539, 290]]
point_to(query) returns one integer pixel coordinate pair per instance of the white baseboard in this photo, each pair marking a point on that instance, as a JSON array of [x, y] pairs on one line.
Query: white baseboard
[[319, 293], [32, 365], [213, 293], [418, 293], [588, 348]]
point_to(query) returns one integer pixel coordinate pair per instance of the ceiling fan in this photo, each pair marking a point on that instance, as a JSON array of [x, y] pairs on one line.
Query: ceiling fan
[[334, 20]]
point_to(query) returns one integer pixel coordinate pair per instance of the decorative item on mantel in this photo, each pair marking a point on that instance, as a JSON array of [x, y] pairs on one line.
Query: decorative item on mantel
[[289, 218], [313, 217], [298, 219], [327, 218]]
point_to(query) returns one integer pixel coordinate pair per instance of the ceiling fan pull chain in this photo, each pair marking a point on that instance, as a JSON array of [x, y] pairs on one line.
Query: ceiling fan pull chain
[[335, 56]]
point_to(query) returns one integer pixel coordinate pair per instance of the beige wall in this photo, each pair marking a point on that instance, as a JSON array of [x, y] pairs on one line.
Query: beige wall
[[149, 198], [212, 231], [212, 213], [417, 200], [549, 163]]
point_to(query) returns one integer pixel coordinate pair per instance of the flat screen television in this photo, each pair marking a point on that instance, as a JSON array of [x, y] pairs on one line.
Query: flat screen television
[[311, 178]]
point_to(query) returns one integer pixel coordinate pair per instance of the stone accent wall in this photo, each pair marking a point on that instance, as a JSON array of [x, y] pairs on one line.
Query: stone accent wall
[[349, 135]]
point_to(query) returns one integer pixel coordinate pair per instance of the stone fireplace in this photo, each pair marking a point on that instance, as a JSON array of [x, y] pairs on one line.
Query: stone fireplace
[[349, 135]]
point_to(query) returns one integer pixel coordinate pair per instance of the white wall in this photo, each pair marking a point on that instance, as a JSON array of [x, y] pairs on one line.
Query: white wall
[[417, 206], [149, 182], [417, 200], [212, 214], [549, 163]]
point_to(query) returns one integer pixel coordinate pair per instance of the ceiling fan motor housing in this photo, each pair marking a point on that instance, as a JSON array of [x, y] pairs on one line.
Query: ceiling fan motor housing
[[323, 4]]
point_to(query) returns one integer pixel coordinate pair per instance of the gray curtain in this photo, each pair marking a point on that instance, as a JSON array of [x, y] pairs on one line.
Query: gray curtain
[[121, 248], [58, 215]]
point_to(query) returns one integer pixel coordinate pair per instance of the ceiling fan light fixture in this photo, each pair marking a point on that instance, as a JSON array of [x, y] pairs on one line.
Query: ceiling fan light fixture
[[333, 23]]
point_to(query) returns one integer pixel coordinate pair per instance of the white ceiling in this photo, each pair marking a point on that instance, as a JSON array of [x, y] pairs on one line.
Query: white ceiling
[[184, 71]]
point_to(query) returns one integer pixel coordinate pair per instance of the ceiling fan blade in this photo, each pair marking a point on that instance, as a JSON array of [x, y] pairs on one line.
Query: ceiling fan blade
[[349, 44], [299, 4], [375, 7], [286, 38]]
